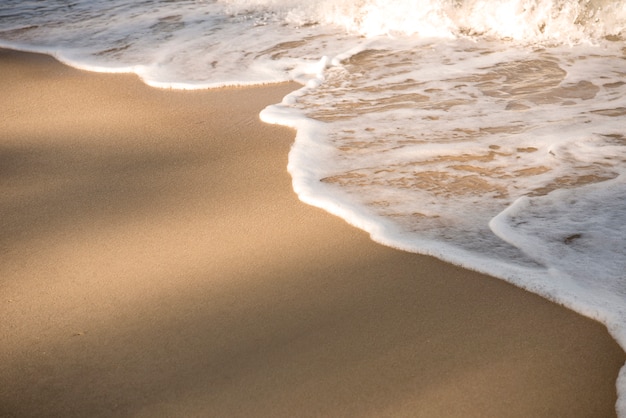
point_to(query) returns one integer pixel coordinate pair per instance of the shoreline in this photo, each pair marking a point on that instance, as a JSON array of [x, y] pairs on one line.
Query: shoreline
[[156, 262]]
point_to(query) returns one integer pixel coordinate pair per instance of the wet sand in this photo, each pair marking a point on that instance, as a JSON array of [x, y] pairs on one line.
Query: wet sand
[[154, 261]]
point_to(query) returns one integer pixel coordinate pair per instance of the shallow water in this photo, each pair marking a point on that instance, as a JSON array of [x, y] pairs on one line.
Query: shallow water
[[487, 133]]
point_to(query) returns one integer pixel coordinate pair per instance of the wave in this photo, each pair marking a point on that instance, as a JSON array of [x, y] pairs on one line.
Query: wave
[[526, 20]]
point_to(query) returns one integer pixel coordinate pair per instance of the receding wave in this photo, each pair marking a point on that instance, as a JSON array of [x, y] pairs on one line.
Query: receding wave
[[487, 133]]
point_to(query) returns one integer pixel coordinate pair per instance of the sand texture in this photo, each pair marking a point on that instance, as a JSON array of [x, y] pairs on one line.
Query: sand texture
[[154, 261]]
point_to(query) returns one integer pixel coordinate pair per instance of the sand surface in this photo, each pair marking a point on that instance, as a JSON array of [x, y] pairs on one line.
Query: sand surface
[[154, 261]]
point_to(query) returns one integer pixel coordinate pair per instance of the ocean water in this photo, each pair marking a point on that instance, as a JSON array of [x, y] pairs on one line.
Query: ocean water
[[488, 133]]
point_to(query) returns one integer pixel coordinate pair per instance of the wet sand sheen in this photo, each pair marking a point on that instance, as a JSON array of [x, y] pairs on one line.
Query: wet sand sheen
[[156, 262]]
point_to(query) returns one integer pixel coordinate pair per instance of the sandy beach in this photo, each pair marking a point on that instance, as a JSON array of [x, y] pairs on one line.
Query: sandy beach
[[155, 261]]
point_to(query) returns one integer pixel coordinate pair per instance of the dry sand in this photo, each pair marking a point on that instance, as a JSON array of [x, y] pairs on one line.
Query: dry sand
[[154, 261]]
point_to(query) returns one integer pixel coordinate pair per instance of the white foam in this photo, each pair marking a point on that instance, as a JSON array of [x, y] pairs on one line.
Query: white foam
[[566, 246]]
